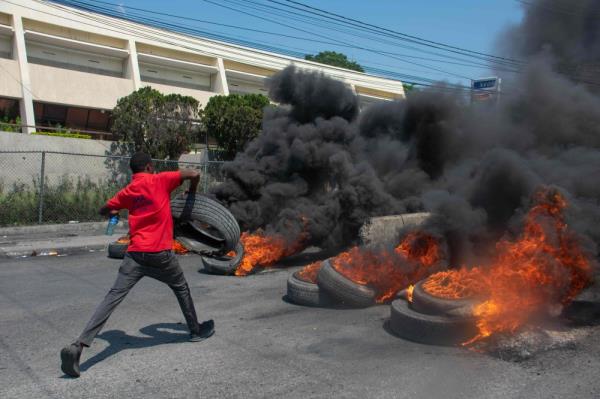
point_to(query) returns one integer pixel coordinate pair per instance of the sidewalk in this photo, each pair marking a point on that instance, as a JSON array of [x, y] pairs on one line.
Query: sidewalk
[[57, 239]]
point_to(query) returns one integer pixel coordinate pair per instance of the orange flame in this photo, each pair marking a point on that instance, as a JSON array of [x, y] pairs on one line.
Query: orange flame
[[178, 248], [544, 267], [309, 272], [123, 240], [264, 250], [455, 284], [409, 292], [387, 272]]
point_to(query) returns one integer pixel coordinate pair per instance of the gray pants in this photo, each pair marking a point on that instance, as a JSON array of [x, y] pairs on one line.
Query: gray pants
[[162, 266]]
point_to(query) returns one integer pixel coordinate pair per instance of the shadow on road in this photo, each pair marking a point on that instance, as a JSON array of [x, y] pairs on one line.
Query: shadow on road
[[157, 334]]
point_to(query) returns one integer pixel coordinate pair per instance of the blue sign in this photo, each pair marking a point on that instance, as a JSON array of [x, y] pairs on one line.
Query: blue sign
[[485, 84]]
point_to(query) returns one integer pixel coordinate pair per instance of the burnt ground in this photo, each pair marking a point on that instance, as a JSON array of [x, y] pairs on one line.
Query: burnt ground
[[263, 347]]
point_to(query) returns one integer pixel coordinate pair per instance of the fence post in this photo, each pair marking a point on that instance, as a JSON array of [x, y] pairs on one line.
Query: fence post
[[42, 188], [205, 178]]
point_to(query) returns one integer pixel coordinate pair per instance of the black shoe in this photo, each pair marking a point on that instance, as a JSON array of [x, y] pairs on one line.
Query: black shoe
[[69, 355], [205, 330]]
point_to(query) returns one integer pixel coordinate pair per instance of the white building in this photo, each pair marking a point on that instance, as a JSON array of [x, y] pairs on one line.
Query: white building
[[62, 65]]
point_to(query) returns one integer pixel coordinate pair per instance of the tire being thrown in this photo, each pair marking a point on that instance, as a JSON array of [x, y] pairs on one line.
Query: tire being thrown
[[224, 265], [424, 302], [117, 250], [306, 293], [198, 247], [215, 219], [430, 329], [342, 289]]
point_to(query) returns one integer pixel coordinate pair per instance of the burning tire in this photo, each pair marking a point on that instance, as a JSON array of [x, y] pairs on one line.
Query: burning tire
[[224, 264], [216, 225], [430, 329], [306, 293], [424, 302], [117, 250], [342, 289]]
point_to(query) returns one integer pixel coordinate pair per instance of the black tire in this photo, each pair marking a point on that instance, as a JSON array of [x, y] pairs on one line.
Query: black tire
[[343, 290], [305, 293], [224, 264], [199, 208], [117, 250], [430, 329], [424, 302]]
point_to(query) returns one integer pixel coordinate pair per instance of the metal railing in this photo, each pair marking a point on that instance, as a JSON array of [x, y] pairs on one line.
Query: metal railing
[[38, 187], [39, 129]]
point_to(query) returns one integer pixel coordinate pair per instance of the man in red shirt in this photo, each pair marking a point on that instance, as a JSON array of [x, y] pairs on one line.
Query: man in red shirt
[[147, 198]]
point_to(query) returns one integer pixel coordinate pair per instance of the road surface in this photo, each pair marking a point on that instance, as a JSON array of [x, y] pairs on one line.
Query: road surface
[[263, 346]]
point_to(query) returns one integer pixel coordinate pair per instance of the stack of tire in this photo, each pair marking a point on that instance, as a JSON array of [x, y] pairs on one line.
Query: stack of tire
[[330, 288], [430, 319], [203, 226]]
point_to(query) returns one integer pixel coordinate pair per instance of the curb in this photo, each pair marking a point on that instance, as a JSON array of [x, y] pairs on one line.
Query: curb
[[61, 228], [88, 244]]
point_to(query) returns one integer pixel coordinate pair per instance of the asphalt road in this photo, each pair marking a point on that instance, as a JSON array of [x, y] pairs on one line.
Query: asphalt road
[[263, 346]]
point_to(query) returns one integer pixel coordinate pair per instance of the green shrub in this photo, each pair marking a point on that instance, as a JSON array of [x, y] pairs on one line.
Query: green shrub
[[233, 120], [64, 132], [6, 124], [75, 135], [67, 199]]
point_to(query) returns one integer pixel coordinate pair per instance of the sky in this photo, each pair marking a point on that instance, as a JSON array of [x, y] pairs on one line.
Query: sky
[[469, 24]]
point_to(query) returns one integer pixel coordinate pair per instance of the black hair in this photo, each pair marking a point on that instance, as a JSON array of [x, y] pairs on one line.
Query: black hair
[[138, 162]]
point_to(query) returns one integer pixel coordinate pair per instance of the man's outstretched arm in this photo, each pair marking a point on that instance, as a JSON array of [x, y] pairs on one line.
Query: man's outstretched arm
[[112, 206], [193, 176]]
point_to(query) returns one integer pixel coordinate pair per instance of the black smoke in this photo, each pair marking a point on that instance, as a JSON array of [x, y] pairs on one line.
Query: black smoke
[[321, 166]]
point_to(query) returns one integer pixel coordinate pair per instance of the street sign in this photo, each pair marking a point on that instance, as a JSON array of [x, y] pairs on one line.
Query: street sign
[[485, 90], [487, 83]]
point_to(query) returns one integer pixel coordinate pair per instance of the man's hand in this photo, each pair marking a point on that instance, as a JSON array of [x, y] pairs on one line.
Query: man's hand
[[193, 176], [106, 211]]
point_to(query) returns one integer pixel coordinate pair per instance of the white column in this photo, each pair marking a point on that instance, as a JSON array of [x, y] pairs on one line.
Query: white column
[[219, 80], [352, 87], [132, 70], [20, 51]]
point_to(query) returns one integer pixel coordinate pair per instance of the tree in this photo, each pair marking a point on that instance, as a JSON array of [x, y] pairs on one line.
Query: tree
[[233, 120], [160, 125], [408, 88], [335, 59]]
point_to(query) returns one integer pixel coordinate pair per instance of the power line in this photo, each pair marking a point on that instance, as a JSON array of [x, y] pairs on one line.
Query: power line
[[87, 6], [243, 42], [416, 39], [158, 36], [352, 31], [279, 34], [337, 41]]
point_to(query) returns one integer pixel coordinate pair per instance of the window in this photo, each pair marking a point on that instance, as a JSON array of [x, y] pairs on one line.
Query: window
[[74, 118]]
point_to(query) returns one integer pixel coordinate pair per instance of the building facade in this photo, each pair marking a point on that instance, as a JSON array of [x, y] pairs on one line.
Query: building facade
[[68, 67]]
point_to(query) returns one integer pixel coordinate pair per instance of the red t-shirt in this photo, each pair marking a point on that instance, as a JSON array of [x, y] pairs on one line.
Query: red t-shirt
[[148, 200]]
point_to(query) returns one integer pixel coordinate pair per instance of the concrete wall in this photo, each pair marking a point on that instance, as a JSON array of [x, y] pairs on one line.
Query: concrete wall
[[24, 167], [24, 142], [383, 230]]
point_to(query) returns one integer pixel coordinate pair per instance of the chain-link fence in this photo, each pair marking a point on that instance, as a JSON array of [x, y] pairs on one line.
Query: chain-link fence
[[38, 187]]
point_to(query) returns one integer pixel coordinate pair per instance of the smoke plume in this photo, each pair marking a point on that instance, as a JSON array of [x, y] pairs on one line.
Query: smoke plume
[[322, 167]]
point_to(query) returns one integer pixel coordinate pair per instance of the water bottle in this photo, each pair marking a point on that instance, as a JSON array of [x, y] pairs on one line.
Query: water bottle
[[112, 222]]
